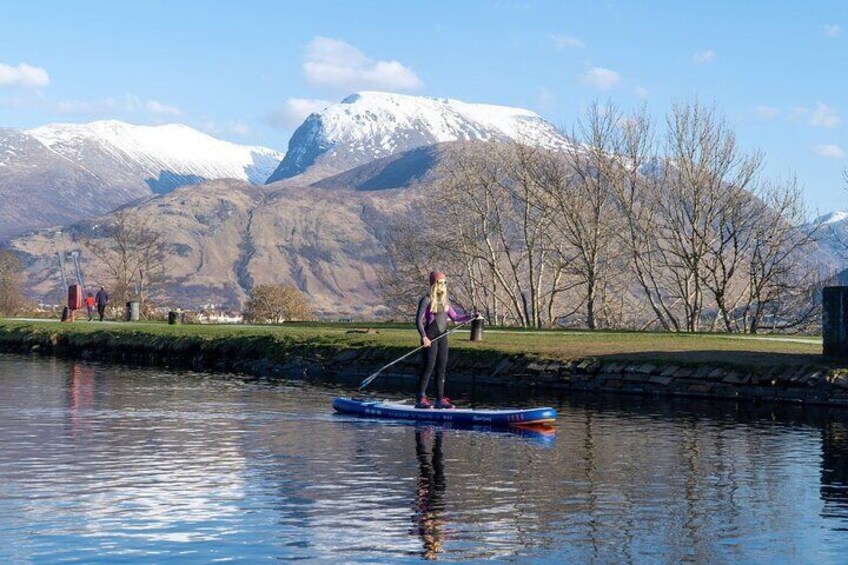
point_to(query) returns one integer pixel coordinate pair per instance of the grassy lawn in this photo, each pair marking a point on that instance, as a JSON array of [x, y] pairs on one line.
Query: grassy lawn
[[686, 349]]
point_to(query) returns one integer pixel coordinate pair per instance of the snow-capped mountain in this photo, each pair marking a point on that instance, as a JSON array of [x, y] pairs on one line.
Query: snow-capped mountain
[[164, 157], [832, 235], [834, 219], [62, 173], [370, 125], [39, 187]]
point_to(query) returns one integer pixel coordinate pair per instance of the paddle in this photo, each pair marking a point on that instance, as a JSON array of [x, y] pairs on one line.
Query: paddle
[[373, 376]]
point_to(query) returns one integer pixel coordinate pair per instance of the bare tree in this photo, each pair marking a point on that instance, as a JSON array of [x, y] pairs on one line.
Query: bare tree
[[637, 185], [132, 254], [782, 280], [488, 192], [685, 239], [706, 168], [411, 256], [577, 195], [11, 278]]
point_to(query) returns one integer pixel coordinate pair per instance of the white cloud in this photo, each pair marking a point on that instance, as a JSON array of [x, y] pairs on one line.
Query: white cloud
[[129, 103], [566, 42], [603, 79], [829, 151], [822, 115], [77, 107], [156, 107], [703, 57], [767, 113], [546, 98], [239, 128], [294, 111], [23, 75], [832, 30], [641, 92], [210, 126], [13, 102], [336, 64]]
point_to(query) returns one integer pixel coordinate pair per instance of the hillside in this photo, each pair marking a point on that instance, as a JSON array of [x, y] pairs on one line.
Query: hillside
[[226, 236]]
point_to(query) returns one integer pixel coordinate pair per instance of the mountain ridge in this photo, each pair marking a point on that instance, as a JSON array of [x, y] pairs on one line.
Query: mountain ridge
[[155, 151], [63, 173], [371, 125]]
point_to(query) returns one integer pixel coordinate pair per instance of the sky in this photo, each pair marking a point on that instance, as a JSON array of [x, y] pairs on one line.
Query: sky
[[251, 71]]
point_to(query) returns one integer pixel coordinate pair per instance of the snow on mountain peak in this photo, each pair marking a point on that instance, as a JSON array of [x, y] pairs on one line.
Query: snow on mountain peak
[[174, 149], [369, 125], [367, 112], [833, 218]]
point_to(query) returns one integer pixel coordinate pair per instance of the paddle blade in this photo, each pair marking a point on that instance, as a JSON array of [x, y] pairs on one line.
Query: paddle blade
[[367, 381]]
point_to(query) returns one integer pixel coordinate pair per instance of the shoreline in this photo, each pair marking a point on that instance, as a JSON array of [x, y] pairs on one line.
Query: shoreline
[[321, 359]]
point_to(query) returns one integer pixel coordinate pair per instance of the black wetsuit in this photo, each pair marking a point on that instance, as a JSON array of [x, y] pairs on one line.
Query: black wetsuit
[[432, 325]]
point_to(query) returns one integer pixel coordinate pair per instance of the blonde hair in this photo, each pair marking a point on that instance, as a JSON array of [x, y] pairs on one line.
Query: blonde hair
[[437, 305]]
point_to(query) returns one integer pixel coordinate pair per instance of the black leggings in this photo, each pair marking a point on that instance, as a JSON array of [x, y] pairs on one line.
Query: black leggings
[[434, 357]]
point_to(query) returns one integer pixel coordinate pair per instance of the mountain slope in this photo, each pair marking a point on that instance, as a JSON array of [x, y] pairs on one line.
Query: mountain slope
[[832, 236], [395, 171], [39, 187], [226, 236], [163, 157], [372, 125], [62, 173]]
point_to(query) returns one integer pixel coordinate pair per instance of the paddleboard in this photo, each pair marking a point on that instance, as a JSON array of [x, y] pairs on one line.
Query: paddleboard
[[463, 416]]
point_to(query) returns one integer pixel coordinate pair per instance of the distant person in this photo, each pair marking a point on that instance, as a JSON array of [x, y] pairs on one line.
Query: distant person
[[102, 299], [89, 306], [434, 309]]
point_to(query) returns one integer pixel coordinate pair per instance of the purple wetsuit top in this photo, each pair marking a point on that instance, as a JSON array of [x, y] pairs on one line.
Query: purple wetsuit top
[[428, 321]]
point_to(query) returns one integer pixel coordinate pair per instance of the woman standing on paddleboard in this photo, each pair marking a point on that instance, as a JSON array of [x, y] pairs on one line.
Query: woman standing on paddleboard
[[434, 309]]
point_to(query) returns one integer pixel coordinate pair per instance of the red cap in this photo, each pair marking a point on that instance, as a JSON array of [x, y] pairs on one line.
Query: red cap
[[436, 276]]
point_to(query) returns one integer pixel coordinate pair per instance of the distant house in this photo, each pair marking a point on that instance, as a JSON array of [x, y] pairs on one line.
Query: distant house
[[219, 317]]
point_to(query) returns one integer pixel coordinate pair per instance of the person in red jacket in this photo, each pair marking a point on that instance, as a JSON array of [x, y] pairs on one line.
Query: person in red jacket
[[89, 306]]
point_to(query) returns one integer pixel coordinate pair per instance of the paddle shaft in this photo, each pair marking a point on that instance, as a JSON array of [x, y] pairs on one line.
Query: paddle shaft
[[373, 376]]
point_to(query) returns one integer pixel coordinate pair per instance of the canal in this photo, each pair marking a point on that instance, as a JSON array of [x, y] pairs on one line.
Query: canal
[[102, 463]]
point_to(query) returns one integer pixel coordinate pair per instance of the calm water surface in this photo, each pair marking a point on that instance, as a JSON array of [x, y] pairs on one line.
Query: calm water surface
[[114, 465]]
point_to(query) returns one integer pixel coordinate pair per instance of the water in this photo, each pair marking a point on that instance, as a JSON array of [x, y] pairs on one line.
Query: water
[[115, 465]]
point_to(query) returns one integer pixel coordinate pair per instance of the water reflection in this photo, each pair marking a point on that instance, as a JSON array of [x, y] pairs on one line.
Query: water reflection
[[428, 517], [111, 464], [834, 471], [80, 394]]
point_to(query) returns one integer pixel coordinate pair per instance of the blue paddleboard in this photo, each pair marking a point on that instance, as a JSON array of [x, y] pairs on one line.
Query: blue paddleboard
[[463, 416]]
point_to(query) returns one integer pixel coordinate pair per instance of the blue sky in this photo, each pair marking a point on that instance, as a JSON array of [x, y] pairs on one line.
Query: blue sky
[[249, 71]]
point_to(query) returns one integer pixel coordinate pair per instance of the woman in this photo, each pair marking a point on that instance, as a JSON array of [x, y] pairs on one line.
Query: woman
[[432, 320]]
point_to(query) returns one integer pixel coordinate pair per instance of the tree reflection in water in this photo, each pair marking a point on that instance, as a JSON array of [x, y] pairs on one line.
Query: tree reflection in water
[[429, 509]]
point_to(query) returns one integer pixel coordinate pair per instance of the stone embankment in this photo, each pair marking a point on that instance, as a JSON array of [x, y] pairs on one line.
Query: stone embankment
[[800, 385], [264, 357]]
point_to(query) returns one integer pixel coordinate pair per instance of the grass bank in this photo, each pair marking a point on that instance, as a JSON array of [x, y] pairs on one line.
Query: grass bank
[[561, 345], [775, 367]]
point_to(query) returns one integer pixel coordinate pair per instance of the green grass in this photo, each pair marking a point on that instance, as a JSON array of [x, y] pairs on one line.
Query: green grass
[[664, 348]]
